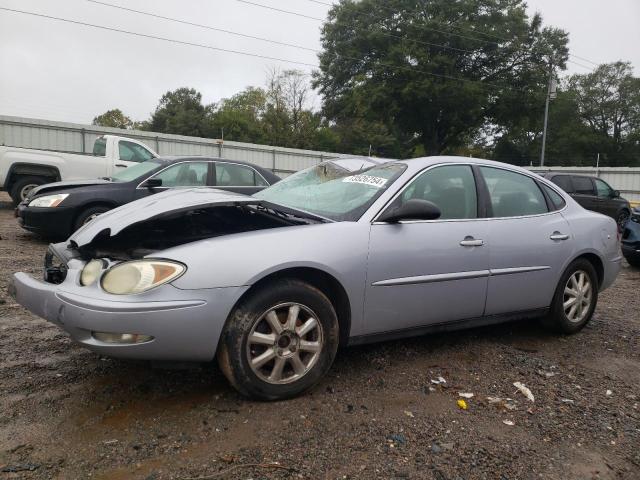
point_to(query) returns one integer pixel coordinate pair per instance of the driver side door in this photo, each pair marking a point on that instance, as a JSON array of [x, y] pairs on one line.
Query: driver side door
[[427, 272]]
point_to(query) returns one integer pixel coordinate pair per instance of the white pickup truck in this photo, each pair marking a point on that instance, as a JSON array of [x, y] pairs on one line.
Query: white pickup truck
[[22, 169]]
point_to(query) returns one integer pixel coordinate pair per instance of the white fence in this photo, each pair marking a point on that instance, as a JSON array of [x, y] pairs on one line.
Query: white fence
[[624, 179], [71, 137]]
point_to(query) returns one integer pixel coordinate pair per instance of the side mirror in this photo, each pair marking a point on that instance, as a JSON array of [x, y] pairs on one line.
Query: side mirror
[[414, 209], [152, 183], [615, 194]]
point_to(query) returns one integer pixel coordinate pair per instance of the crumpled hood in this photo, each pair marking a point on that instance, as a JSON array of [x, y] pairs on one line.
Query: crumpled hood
[[168, 202], [50, 187]]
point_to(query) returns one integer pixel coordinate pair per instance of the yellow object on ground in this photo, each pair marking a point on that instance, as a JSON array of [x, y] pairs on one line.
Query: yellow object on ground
[[462, 404]]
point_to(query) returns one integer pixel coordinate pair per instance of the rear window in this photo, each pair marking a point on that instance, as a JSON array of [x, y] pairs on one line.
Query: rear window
[[583, 185], [556, 199], [564, 182]]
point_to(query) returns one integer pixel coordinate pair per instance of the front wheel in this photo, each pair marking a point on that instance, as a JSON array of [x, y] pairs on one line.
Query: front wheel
[[575, 298], [89, 214], [622, 218], [280, 341]]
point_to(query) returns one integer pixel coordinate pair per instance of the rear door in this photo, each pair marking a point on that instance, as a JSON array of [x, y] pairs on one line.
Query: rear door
[[529, 242], [585, 193]]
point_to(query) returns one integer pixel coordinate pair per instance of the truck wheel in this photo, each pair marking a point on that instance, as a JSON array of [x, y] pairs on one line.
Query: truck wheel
[[24, 185], [280, 341], [575, 299], [89, 214]]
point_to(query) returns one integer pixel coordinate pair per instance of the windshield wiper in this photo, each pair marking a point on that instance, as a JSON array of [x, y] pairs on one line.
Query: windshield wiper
[[288, 213]]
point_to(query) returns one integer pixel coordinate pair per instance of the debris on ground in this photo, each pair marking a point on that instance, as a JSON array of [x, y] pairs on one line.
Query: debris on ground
[[465, 395], [511, 423], [524, 390], [438, 381], [462, 404]]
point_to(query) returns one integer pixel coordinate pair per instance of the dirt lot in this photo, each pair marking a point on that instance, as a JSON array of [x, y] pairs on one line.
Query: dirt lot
[[68, 413]]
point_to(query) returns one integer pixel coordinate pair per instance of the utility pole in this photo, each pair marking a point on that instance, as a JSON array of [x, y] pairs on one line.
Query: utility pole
[[551, 94]]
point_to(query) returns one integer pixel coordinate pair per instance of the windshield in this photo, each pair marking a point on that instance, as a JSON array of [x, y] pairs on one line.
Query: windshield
[[331, 191], [135, 171]]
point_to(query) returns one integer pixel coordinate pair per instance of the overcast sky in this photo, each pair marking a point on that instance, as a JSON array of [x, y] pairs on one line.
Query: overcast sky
[[60, 71]]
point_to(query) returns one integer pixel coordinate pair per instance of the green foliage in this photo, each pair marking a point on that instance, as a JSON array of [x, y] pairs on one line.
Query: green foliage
[[180, 112], [113, 118], [419, 69]]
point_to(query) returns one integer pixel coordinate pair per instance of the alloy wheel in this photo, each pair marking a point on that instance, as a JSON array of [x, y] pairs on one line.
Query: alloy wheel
[[24, 191], [578, 295], [284, 343]]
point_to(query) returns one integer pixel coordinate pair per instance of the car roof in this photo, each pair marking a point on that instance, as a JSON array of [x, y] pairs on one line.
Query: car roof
[[171, 159]]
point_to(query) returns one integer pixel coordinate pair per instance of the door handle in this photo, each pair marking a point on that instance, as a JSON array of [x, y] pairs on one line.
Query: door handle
[[120, 165], [559, 236], [471, 242]]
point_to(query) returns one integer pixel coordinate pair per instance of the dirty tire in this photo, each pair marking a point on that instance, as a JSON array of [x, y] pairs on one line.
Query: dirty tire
[[557, 319], [85, 215], [23, 185], [235, 348], [634, 262]]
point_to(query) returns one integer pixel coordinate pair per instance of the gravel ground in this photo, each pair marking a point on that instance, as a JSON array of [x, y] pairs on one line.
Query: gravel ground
[[68, 413]]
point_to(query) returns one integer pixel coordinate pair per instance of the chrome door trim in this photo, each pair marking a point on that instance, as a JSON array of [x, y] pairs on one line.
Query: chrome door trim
[[439, 277], [448, 277]]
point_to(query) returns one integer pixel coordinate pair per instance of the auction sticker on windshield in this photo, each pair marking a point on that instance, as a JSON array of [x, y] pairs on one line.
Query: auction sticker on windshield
[[378, 182]]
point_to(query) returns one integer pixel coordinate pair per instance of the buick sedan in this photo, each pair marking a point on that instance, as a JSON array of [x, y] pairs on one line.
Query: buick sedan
[[346, 252]]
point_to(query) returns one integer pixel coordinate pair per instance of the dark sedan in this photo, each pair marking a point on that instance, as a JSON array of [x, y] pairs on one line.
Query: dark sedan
[[58, 209], [631, 239]]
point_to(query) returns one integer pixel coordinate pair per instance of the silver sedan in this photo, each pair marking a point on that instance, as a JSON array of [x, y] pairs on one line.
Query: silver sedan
[[347, 252]]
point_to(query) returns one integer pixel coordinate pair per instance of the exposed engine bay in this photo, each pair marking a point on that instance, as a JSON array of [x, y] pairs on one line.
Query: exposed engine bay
[[178, 228]]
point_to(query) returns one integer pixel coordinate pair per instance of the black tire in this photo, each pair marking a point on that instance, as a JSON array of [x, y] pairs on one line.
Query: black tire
[[557, 318], [634, 262], [622, 218], [234, 348], [87, 215], [23, 186]]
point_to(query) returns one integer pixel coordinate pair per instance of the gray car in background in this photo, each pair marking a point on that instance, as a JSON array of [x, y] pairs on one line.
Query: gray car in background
[[346, 252]]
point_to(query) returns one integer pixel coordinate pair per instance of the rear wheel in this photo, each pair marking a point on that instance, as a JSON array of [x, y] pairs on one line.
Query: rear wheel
[[89, 214], [575, 299], [622, 219], [280, 341], [24, 185]]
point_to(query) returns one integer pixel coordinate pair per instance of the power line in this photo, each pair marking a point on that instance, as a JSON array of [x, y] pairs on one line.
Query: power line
[[155, 37], [440, 31], [250, 54], [208, 27], [581, 65], [309, 17]]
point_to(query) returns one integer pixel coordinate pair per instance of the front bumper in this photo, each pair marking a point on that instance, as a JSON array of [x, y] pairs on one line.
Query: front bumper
[[630, 243], [185, 324], [54, 222]]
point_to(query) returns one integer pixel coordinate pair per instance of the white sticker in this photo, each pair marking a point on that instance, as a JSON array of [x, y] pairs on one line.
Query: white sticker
[[378, 182]]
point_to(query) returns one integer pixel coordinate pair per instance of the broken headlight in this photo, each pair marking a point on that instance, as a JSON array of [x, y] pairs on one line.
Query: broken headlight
[[91, 272], [140, 275]]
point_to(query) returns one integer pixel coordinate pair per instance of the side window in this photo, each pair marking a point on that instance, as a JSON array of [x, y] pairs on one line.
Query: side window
[[513, 194], [557, 200], [189, 174], [132, 152], [564, 182], [100, 147], [233, 175], [603, 189], [583, 185], [451, 188]]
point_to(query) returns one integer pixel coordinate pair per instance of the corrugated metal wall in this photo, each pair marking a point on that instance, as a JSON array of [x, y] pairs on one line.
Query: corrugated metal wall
[[31, 133], [71, 137], [624, 179]]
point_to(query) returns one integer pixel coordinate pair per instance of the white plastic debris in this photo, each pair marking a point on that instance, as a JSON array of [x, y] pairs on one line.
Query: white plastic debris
[[566, 400], [508, 422], [408, 413], [524, 390], [438, 381], [465, 395], [609, 393]]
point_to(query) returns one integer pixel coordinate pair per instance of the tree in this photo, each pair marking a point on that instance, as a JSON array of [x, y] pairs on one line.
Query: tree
[[181, 112], [608, 102], [113, 118], [434, 72], [240, 117]]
